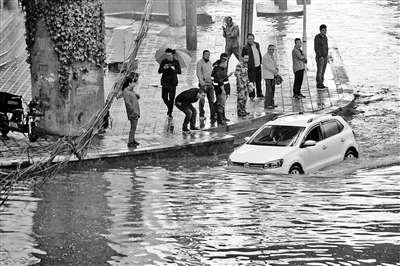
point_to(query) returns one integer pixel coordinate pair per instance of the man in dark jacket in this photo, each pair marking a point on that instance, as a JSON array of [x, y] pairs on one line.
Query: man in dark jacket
[[252, 48], [169, 68], [321, 55], [220, 79], [184, 103]]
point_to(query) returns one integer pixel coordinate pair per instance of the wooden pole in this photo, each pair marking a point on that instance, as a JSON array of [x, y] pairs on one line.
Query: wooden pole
[[191, 25]]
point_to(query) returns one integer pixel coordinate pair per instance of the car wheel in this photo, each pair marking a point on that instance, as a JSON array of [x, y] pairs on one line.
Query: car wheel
[[350, 154], [296, 170]]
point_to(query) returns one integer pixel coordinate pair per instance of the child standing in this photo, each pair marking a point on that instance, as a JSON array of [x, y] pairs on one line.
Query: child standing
[[132, 108]]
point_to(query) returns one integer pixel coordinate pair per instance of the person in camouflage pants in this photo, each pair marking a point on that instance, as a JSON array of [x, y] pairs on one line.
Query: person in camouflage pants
[[242, 84]]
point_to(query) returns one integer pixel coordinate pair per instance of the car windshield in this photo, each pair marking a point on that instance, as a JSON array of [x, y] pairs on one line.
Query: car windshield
[[276, 135]]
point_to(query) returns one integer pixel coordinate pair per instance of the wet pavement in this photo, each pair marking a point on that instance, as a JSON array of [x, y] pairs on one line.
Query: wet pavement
[[152, 131]]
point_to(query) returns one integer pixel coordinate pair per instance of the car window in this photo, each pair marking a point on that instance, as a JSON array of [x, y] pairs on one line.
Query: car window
[[331, 128], [314, 134], [276, 135]]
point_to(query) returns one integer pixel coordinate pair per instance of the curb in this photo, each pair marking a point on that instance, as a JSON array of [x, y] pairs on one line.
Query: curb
[[341, 80], [222, 143]]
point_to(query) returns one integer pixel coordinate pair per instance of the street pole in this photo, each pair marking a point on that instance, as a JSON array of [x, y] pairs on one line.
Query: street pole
[[247, 20], [305, 26], [191, 25], [175, 13]]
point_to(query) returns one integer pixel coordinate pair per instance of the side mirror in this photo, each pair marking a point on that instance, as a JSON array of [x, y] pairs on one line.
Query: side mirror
[[309, 143], [247, 139]]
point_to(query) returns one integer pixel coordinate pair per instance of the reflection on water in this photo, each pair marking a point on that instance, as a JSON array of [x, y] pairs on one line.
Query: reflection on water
[[201, 215]]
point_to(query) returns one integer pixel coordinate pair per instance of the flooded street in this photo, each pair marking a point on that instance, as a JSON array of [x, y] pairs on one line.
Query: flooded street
[[196, 212]]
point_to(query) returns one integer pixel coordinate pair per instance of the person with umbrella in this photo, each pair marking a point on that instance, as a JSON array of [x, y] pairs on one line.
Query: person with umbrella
[[169, 68]]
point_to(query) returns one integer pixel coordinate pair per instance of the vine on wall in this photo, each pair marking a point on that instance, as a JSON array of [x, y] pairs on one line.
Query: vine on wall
[[77, 29]]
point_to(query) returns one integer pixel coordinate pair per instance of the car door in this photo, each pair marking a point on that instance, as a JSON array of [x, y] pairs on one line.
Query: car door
[[333, 141], [314, 156]]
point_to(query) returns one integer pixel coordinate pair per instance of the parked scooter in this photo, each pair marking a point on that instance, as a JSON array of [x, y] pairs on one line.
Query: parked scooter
[[13, 117]]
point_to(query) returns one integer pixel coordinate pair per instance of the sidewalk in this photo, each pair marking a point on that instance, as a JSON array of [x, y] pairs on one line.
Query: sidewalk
[[154, 140]]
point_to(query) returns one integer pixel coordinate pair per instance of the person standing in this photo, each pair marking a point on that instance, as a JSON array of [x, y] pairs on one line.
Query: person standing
[[231, 35], [203, 72], [220, 78], [299, 60], [184, 103], [132, 108], [227, 84], [252, 48], [321, 55], [270, 69], [242, 84], [169, 68]]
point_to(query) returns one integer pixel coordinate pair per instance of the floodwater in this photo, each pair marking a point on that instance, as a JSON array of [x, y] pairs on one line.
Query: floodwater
[[198, 213], [195, 212]]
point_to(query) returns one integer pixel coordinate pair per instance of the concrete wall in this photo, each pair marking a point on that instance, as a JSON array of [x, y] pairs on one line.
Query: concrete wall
[[64, 113]]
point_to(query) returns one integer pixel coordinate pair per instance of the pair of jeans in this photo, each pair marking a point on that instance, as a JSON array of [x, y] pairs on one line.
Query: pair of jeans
[[255, 76], [211, 101], [298, 81], [132, 132], [269, 93], [190, 114], [168, 95], [321, 67]]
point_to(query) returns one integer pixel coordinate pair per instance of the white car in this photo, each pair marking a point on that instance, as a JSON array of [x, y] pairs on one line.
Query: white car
[[297, 144]]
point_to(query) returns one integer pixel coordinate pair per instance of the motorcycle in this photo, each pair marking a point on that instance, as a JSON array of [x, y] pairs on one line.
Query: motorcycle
[[13, 117]]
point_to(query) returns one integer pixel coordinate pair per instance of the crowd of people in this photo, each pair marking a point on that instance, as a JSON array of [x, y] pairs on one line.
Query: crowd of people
[[214, 79]]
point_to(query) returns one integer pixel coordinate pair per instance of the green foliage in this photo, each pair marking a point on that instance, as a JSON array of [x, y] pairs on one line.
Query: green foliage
[[77, 29]]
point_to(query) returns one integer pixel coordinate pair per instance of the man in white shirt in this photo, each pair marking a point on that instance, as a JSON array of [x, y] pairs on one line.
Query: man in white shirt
[[269, 70], [203, 72]]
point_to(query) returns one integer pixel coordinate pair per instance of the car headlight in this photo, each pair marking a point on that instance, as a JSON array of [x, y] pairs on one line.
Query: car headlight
[[273, 164], [229, 163]]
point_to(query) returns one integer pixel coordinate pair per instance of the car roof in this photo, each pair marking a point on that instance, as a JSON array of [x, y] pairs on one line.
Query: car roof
[[297, 119]]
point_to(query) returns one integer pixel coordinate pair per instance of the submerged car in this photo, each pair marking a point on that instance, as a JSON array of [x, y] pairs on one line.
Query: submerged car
[[297, 144]]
